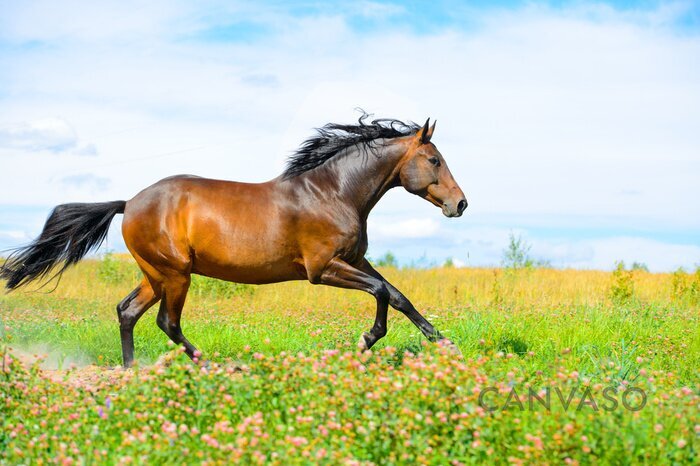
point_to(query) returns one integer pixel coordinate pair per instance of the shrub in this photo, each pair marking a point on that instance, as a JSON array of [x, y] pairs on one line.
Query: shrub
[[387, 260], [211, 287], [516, 255], [684, 286], [639, 267], [112, 270], [622, 286]]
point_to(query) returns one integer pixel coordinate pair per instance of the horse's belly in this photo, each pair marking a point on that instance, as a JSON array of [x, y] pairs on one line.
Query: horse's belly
[[256, 274], [248, 258]]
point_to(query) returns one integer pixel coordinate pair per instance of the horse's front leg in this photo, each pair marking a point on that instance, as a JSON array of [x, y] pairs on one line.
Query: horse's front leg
[[399, 302], [341, 274]]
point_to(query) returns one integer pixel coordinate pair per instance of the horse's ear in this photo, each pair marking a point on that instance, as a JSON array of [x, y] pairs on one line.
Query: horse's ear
[[424, 133], [430, 132]]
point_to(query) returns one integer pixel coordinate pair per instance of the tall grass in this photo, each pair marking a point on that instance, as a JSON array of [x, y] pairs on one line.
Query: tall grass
[[591, 313]]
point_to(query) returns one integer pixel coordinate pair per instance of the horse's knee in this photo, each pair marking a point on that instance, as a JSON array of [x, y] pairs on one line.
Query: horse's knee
[[131, 308], [126, 323], [127, 320], [381, 292]]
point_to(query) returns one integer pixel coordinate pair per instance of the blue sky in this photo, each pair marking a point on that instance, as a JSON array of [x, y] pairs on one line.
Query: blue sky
[[573, 124]]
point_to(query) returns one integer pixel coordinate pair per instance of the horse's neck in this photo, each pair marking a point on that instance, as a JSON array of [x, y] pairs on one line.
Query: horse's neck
[[364, 176]]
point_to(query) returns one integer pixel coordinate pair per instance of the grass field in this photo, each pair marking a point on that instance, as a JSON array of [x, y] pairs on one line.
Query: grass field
[[285, 385]]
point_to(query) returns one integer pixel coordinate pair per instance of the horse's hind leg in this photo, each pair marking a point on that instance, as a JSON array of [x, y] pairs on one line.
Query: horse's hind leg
[[174, 294], [129, 310]]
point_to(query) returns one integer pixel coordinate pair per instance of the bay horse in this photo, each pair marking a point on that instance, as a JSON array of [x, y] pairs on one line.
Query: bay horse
[[310, 223]]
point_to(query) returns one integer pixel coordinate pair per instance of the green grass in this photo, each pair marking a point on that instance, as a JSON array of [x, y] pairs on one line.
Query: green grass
[[539, 328], [668, 337]]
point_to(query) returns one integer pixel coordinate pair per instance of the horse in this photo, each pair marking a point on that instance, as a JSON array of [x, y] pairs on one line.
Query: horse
[[309, 223]]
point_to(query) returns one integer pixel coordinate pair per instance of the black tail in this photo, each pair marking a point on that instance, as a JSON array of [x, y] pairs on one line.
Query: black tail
[[70, 232]]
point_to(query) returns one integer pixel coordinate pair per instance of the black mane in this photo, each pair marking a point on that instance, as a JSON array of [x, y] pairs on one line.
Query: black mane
[[333, 138]]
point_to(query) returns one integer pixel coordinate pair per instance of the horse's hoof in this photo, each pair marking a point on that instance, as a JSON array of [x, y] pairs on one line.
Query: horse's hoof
[[362, 344]]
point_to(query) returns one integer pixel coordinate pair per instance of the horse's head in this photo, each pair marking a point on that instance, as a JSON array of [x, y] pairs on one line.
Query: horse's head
[[424, 172]]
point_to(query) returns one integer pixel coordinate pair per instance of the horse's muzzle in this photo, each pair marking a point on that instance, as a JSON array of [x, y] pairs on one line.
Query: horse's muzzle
[[454, 209]]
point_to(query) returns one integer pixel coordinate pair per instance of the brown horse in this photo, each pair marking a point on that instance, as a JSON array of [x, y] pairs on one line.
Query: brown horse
[[310, 223]]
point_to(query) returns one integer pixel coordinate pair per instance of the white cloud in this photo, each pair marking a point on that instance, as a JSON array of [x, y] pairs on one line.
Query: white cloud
[[459, 263], [404, 228], [376, 9], [85, 150], [52, 134], [568, 253], [76, 20], [13, 235], [47, 134], [602, 253], [657, 255], [86, 180]]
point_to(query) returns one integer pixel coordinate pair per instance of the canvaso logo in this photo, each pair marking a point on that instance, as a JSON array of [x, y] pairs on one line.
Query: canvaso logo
[[578, 397]]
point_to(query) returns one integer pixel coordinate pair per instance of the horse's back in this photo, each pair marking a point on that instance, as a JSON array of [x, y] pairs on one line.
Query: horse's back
[[225, 229]]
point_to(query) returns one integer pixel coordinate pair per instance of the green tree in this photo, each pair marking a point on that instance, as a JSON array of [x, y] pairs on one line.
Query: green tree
[[640, 267], [387, 260], [517, 253]]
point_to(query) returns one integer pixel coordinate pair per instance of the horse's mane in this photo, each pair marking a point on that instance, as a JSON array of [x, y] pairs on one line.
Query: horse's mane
[[332, 138]]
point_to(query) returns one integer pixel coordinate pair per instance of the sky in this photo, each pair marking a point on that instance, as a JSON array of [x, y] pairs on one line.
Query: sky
[[573, 125]]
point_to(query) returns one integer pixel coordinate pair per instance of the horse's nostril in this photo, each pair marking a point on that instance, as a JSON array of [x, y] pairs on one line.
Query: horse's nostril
[[462, 205]]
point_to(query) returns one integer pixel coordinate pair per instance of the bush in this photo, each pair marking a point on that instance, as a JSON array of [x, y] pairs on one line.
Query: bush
[[685, 287], [113, 270], [388, 260], [211, 287], [639, 267], [516, 255], [622, 286]]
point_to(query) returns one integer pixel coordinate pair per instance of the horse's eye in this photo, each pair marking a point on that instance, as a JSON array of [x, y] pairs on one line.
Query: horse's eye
[[435, 161]]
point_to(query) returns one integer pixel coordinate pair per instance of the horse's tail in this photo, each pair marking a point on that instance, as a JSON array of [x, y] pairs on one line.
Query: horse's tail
[[70, 232]]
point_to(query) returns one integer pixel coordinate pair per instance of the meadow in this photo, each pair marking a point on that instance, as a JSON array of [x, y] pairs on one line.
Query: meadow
[[557, 366]]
